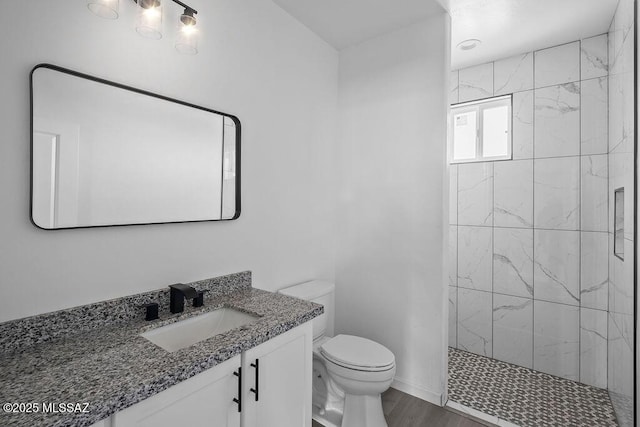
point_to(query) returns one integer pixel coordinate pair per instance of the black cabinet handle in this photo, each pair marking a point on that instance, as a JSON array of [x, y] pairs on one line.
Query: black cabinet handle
[[257, 367], [239, 399]]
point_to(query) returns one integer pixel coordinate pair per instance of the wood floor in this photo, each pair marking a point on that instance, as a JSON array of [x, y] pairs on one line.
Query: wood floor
[[403, 410]]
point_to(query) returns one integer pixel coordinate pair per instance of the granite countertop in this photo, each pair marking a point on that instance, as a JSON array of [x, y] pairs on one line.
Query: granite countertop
[[112, 367]]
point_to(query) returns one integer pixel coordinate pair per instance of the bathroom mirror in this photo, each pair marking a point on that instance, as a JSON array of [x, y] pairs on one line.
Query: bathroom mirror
[[104, 154]]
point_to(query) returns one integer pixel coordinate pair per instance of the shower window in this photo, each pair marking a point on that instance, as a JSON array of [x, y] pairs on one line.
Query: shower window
[[481, 130]]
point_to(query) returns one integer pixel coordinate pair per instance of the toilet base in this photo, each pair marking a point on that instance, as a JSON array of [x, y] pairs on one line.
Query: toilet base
[[363, 411]]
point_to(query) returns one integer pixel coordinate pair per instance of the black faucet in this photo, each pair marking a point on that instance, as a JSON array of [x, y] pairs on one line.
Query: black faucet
[[178, 293]]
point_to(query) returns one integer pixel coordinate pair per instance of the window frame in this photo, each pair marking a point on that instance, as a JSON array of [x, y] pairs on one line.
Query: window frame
[[479, 106]]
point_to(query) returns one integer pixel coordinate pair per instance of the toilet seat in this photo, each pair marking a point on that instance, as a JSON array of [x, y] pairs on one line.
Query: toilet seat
[[358, 354]]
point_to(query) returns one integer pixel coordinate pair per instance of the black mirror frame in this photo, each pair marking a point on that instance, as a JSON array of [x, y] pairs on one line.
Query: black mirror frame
[[143, 92]]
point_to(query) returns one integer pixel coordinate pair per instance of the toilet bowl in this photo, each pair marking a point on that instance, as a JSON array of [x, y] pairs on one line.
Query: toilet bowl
[[349, 373]]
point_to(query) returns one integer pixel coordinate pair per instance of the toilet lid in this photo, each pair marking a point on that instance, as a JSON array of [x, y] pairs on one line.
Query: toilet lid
[[357, 353]]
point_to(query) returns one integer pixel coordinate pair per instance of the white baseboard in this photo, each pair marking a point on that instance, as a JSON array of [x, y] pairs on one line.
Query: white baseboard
[[418, 391]]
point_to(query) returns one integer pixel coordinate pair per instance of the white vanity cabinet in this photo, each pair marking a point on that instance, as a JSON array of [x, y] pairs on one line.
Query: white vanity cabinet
[[281, 377], [205, 400], [277, 379]]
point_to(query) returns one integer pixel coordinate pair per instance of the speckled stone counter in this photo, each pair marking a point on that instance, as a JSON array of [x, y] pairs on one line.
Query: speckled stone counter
[[104, 361]]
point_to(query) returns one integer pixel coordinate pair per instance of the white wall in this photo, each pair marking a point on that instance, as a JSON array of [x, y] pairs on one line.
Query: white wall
[[255, 62], [391, 150]]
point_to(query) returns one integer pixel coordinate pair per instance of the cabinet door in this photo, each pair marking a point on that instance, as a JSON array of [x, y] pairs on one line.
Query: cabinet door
[[205, 400], [283, 382]]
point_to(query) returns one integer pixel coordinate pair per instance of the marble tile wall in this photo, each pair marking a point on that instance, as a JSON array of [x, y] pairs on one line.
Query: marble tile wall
[[557, 120], [513, 336], [475, 321], [620, 149], [530, 237], [475, 82], [522, 125]]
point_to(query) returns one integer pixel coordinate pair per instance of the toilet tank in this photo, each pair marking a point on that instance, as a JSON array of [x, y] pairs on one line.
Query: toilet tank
[[320, 292]]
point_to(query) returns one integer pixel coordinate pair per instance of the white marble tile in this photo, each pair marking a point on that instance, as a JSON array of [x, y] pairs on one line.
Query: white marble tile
[[513, 261], [513, 194], [522, 125], [621, 108], [618, 32], [594, 270], [475, 321], [594, 116], [621, 175], [453, 194], [557, 193], [474, 257], [475, 194], [476, 82], [556, 347], [628, 113], [453, 255], [620, 378], [623, 408], [593, 57], [557, 121], [453, 87], [624, 23], [556, 271], [616, 99], [513, 330], [626, 54], [513, 74], [629, 203], [453, 316], [594, 198], [615, 182], [612, 37], [621, 280], [593, 347], [627, 18], [621, 113], [557, 65]]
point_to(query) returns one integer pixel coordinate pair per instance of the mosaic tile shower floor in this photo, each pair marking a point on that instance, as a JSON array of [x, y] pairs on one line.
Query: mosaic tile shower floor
[[523, 396]]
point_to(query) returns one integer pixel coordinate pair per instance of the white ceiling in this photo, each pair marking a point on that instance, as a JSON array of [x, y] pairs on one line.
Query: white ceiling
[[509, 27], [505, 27], [343, 23]]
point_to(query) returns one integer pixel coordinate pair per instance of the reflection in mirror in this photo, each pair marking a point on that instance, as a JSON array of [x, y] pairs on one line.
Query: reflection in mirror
[[105, 154]]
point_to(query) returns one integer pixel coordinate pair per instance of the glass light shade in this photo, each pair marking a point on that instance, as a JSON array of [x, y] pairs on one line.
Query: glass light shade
[[187, 40], [107, 9], [149, 22]]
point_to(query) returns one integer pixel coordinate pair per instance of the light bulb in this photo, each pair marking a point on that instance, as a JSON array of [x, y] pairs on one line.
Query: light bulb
[[187, 40], [149, 19]]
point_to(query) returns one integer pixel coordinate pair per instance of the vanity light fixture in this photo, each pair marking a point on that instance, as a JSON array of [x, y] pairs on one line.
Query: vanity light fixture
[[149, 21], [187, 37]]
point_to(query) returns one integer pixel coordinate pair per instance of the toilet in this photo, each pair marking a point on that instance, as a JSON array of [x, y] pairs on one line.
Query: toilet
[[349, 372]]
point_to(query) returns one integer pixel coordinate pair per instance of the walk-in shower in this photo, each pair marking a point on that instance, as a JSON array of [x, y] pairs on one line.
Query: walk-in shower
[[542, 244]]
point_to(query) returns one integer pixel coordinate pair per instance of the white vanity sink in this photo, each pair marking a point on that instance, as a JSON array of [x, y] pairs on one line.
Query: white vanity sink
[[187, 332]]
